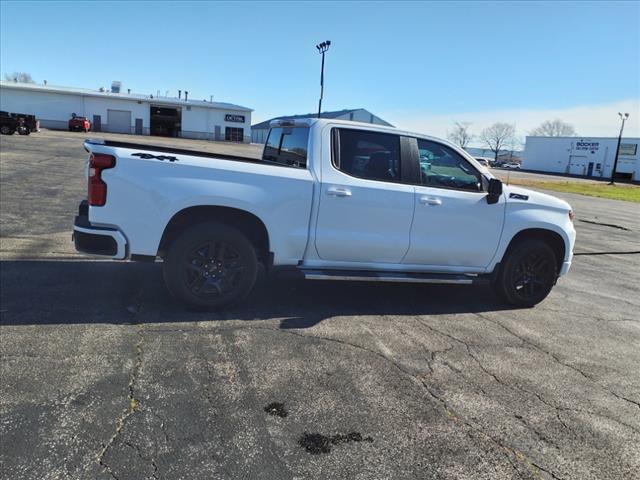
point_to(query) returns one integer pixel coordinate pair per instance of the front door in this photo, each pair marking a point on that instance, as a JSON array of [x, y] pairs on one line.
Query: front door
[[365, 212], [453, 226]]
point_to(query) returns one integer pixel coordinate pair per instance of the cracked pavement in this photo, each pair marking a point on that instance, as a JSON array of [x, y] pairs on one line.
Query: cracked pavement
[[105, 377]]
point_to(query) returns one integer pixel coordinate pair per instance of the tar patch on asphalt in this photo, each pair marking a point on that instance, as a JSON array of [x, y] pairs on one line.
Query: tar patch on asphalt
[[276, 409], [316, 443]]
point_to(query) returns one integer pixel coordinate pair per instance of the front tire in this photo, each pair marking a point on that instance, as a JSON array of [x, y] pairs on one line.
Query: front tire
[[210, 266], [527, 274]]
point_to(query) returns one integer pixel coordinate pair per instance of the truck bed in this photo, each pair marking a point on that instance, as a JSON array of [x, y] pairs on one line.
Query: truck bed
[[149, 148]]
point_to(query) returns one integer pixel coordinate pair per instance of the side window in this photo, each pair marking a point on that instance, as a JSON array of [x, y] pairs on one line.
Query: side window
[[440, 166], [287, 146], [370, 155]]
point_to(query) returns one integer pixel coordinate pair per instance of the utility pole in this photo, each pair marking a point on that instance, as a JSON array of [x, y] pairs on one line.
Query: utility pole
[[615, 162], [322, 48]]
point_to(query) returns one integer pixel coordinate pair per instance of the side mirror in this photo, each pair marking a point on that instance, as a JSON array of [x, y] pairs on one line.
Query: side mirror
[[494, 191]]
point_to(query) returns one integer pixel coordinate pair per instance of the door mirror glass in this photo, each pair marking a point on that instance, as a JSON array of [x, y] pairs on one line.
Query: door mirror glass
[[494, 190]]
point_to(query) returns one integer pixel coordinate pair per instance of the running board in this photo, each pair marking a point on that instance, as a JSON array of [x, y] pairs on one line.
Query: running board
[[369, 276]]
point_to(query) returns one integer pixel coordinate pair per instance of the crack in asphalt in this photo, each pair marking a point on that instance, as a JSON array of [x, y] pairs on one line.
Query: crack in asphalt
[[525, 340], [154, 474], [612, 225], [633, 402], [588, 377], [437, 398], [549, 472], [497, 379], [633, 252], [216, 404], [133, 377], [131, 408], [531, 427], [507, 450]]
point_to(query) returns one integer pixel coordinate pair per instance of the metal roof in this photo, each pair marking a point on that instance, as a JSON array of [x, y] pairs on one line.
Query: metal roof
[[334, 114], [122, 96]]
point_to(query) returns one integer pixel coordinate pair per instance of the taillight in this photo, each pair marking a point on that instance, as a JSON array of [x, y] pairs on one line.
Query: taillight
[[97, 194]]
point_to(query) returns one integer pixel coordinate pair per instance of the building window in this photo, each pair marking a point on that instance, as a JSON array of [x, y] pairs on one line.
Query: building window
[[233, 134]]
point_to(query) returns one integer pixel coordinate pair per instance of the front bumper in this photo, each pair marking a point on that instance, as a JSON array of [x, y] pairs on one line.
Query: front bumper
[[566, 266], [106, 242]]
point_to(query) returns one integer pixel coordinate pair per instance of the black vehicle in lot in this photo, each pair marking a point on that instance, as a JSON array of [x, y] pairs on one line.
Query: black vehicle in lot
[[11, 123]]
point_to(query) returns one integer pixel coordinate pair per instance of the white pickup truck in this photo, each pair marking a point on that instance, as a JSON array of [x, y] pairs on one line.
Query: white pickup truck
[[328, 200]]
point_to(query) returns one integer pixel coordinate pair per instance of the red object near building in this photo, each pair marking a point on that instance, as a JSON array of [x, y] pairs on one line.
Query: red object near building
[[79, 124]]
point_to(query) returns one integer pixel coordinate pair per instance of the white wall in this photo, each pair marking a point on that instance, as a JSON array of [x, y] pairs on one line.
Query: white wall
[[574, 154], [44, 105], [54, 110], [200, 122], [99, 106]]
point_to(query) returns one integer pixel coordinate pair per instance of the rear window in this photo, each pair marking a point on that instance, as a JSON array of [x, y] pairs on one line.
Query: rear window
[[287, 146]]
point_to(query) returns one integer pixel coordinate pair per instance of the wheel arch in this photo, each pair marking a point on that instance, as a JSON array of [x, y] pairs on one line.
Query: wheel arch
[[247, 223], [551, 237]]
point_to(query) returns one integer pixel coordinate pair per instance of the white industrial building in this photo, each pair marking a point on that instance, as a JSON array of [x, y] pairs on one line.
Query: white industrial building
[[259, 131], [110, 110], [589, 157]]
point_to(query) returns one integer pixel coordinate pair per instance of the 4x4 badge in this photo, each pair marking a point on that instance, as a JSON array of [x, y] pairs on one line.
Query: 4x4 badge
[[148, 156]]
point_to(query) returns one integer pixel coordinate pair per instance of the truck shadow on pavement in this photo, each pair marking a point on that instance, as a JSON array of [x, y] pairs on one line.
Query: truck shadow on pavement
[[87, 292]]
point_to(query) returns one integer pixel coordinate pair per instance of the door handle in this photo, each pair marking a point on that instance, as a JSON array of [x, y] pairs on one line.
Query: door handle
[[339, 192], [430, 201]]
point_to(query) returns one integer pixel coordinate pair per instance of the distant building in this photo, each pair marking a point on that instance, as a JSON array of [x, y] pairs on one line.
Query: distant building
[[590, 157], [110, 110], [260, 130]]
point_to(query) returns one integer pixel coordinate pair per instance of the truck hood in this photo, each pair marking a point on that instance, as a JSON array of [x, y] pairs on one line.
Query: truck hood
[[516, 194]]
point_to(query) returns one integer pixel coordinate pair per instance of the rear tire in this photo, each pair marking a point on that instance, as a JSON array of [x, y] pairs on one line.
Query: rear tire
[[210, 266], [527, 274], [6, 130]]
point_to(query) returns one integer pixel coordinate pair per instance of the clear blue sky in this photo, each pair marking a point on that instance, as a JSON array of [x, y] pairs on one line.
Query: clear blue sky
[[396, 59]]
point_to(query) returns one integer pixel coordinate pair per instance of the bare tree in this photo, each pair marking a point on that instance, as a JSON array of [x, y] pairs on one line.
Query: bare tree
[[554, 128], [498, 136], [20, 77], [460, 134]]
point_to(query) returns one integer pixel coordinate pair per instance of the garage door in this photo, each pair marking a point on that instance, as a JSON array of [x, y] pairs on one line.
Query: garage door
[[119, 121]]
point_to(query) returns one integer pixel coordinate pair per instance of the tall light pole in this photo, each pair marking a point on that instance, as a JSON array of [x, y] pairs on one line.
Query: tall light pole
[[615, 162], [322, 48]]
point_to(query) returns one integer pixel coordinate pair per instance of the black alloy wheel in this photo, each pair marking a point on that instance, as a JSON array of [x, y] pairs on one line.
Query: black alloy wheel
[[213, 270], [533, 275], [528, 273], [210, 266]]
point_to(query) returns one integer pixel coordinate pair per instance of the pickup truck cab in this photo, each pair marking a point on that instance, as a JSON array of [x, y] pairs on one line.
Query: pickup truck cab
[[328, 200]]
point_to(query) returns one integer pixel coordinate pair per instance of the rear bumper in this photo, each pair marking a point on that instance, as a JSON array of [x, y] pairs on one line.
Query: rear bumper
[[92, 240]]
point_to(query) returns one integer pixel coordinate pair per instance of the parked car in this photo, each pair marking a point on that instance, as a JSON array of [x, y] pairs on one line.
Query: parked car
[[328, 200], [8, 124], [79, 124], [18, 122], [512, 165], [483, 161]]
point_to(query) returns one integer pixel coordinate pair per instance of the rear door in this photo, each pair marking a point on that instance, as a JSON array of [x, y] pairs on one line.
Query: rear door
[[365, 209], [453, 226]]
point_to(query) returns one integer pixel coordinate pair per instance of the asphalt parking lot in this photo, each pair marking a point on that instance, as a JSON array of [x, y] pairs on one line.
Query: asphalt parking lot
[[105, 377]]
